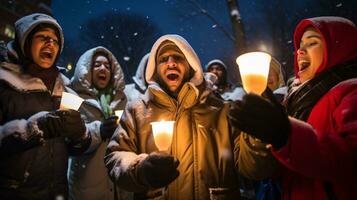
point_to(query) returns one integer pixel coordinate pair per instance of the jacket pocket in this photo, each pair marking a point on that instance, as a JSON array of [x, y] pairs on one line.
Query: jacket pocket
[[223, 193]]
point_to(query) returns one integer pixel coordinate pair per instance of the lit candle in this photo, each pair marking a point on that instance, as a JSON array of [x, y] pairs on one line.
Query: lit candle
[[118, 113], [70, 101], [254, 70], [163, 132]]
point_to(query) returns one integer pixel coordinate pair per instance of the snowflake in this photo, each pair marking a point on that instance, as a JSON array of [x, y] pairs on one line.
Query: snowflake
[[135, 34], [214, 25], [126, 58], [339, 5]]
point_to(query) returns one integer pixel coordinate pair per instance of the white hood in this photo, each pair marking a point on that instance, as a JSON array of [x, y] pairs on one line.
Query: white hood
[[82, 78], [186, 49]]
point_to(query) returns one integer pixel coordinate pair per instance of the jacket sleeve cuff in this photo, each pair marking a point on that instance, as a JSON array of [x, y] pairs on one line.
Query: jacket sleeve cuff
[[300, 137]]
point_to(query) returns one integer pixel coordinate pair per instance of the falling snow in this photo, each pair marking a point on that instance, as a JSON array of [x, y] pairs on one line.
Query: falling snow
[[339, 5], [135, 34], [126, 58], [214, 25]]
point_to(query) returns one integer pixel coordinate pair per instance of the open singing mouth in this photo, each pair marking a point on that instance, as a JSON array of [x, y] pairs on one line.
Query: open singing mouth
[[172, 75], [102, 77], [47, 54]]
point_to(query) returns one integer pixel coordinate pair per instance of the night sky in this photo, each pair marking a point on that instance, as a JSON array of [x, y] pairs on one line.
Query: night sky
[[268, 26]]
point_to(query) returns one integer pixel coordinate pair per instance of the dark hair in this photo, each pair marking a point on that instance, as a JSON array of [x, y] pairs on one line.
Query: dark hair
[[102, 53]]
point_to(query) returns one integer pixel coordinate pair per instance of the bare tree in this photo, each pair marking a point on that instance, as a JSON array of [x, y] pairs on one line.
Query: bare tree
[[128, 37], [237, 26]]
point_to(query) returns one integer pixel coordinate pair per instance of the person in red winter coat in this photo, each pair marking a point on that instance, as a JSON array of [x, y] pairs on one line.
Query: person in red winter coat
[[317, 143]]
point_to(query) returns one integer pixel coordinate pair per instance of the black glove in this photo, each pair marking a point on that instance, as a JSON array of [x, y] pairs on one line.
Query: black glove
[[50, 124], [157, 170], [108, 127], [73, 126], [263, 118]]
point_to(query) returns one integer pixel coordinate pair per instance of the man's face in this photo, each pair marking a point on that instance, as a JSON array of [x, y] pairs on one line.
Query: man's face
[[273, 79], [44, 47], [310, 54], [101, 72], [172, 69], [218, 71]]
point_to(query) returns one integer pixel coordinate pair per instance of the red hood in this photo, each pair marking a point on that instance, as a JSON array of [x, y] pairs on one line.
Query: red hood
[[339, 38]]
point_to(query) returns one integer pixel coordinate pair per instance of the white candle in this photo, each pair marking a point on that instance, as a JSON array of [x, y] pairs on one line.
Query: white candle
[[70, 101], [254, 70], [163, 131]]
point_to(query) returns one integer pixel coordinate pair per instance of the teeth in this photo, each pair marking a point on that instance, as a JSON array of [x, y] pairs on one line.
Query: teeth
[[303, 65], [172, 76]]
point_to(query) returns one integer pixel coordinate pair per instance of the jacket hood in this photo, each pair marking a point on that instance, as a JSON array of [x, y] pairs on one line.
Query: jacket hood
[[82, 78], [186, 49], [139, 78], [215, 61], [25, 25], [339, 36]]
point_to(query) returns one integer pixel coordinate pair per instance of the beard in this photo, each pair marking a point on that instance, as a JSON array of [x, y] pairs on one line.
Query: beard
[[166, 88]]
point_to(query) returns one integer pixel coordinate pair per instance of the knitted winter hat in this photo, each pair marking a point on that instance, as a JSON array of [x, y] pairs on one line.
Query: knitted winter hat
[[25, 25]]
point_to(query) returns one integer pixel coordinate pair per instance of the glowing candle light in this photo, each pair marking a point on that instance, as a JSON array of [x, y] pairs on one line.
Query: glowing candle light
[[118, 113], [70, 101], [254, 70], [163, 132]]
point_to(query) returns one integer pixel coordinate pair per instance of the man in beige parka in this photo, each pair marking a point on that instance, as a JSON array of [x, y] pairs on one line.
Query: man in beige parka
[[206, 152]]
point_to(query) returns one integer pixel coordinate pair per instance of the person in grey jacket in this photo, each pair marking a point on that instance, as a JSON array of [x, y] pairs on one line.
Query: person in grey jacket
[[206, 153], [99, 80], [138, 88], [35, 137]]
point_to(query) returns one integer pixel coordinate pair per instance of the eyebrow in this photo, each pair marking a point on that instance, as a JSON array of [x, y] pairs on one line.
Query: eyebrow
[[41, 34], [313, 36]]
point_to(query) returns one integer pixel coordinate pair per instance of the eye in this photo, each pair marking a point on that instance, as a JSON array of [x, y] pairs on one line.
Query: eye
[[163, 59], [44, 38], [178, 57], [309, 44]]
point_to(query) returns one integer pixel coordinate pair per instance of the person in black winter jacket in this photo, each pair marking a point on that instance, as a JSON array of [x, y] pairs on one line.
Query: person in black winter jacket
[[35, 137]]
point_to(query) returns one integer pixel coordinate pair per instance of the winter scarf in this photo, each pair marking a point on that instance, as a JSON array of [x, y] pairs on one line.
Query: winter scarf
[[301, 101], [48, 76]]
